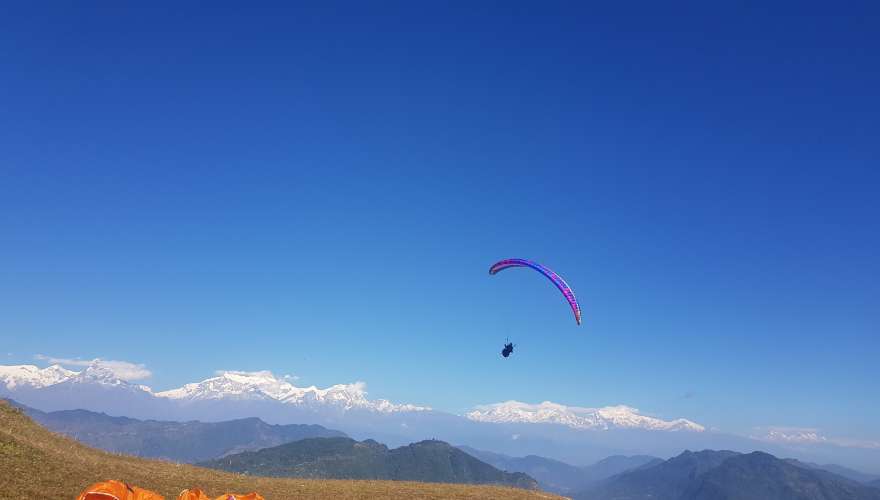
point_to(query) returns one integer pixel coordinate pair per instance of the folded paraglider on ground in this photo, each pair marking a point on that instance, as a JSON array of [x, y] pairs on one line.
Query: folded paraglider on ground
[[118, 490], [197, 494]]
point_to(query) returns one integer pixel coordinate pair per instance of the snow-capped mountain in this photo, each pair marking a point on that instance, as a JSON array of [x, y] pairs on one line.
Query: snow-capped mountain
[[96, 387], [17, 377], [573, 434], [97, 374], [791, 435], [609, 417], [227, 386], [21, 377], [233, 385], [263, 385]]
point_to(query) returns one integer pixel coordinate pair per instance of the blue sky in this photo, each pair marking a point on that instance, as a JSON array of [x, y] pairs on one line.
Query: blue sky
[[320, 191]]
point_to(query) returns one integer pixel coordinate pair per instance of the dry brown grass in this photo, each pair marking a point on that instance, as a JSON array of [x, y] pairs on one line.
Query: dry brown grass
[[38, 464]]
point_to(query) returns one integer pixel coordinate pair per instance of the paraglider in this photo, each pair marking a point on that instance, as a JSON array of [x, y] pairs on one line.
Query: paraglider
[[555, 278]]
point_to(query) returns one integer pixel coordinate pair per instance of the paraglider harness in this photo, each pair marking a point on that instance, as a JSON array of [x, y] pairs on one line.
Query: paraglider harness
[[508, 349]]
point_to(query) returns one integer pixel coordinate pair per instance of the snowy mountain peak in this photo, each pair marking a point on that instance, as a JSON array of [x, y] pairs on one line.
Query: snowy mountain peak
[[233, 385], [793, 435], [226, 385], [98, 373], [29, 376], [609, 417], [263, 385]]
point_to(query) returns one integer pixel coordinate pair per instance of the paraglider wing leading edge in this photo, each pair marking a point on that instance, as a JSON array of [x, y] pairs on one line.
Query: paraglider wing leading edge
[[555, 278]]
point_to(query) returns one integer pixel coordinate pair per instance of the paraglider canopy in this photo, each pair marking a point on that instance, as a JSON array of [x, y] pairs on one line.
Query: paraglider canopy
[[555, 278]]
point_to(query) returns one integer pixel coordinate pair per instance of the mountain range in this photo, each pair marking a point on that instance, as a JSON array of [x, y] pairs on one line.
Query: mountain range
[[189, 442], [610, 417], [846, 472], [36, 463], [560, 477], [226, 386], [574, 435], [234, 386], [689, 476], [202, 441], [712, 475], [344, 458]]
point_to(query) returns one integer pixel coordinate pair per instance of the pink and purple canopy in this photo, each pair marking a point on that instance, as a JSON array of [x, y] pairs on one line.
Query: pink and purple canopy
[[555, 278]]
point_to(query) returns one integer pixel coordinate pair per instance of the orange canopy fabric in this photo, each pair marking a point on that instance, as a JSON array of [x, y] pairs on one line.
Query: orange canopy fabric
[[117, 490], [197, 494], [193, 494]]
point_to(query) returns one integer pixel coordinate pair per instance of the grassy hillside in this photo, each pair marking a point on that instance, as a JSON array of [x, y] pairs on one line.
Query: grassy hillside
[[35, 463]]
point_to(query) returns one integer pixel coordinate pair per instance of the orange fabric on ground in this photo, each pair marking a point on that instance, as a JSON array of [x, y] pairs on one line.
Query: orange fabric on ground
[[193, 494], [233, 496], [117, 490]]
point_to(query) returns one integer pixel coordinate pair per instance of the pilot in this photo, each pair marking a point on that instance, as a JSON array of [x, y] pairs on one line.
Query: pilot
[[508, 349]]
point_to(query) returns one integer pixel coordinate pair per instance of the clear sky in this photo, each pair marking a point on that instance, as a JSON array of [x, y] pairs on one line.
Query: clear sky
[[320, 191]]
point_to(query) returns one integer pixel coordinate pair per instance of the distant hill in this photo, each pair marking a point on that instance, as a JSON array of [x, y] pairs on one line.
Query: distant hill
[[617, 464], [179, 441], [846, 472], [560, 477], [552, 475], [711, 475], [344, 458], [668, 480], [49, 465], [759, 476]]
